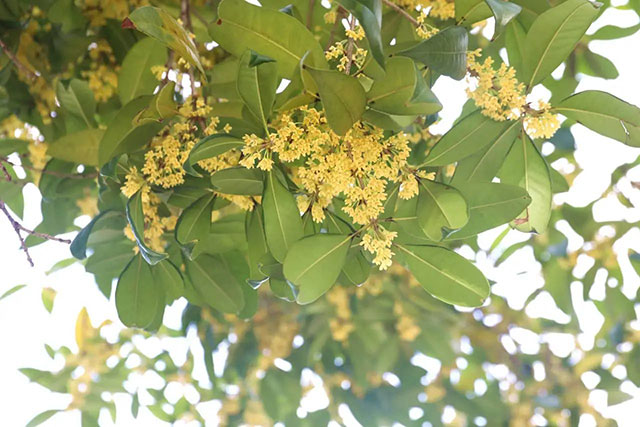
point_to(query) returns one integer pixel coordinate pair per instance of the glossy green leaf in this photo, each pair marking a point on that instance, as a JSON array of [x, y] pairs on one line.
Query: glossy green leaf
[[441, 209], [553, 36], [256, 85], [282, 222], [122, 135], [446, 275], [445, 52], [138, 298], [484, 165], [135, 77], [490, 205], [168, 276], [239, 180], [78, 246], [161, 107], [194, 222], [79, 147], [526, 168], [465, 138], [42, 417], [211, 146], [77, 100], [256, 242], [157, 23], [135, 217], [269, 32], [396, 89], [605, 114], [504, 12], [215, 283], [314, 263], [342, 96]]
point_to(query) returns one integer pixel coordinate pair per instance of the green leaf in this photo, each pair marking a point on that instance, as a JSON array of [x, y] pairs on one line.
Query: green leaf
[[135, 216], [484, 165], [471, 11], [78, 147], [441, 209], [217, 286], [162, 106], [282, 222], [211, 146], [257, 86], [122, 135], [268, 32], [515, 37], [157, 23], [48, 298], [77, 100], [526, 168], [195, 221], [135, 77], [445, 52], [356, 268], [612, 32], [605, 114], [369, 15], [239, 180], [256, 242], [553, 36], [138, 299], [490, 205], [168, 276], [397, 87], [465, 138], [78, 246], [446, 275], [42, 417], [314, 263], [342, 96], [504, 12], [11, 291]]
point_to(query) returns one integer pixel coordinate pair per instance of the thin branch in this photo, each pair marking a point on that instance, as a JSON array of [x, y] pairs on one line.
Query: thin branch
[[18, 228], [350, 46], [312, 3], [19, 65], [402, 12], [52, 173]]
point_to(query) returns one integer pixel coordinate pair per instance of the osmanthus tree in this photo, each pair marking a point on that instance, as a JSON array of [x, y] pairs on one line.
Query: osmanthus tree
[[272, 164]]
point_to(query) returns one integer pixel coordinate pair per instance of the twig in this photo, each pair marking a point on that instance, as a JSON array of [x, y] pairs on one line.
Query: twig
[[19, 65], [48, 172], [185, 16], [335, 27], [350, 45], [17, 227], [402, 12], [312, 3]]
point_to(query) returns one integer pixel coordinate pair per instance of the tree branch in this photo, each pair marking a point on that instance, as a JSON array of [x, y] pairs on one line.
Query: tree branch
[[402, 12], [350, 45], [19, 65]]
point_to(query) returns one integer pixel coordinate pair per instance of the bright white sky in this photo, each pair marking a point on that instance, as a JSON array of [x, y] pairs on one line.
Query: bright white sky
[[25, 325]]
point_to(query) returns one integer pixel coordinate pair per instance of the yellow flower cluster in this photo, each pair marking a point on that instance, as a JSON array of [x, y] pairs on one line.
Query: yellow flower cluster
[[378, 240], [501, 97], [406, 326], [440, 9], [274, 330], [340, 325], [541, 123], [154, 225], [103, 74], [32, 55], [339, 51], [498, 93], [170, 149], [358, 165], [424, 30]]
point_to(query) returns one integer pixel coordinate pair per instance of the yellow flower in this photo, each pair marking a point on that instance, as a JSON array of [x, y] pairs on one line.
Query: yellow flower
[[541, 123], [378, 240]]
